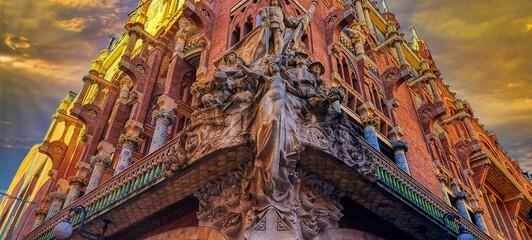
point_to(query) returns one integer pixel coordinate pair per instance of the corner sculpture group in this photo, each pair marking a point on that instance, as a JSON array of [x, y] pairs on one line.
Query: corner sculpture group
[[267, 94]]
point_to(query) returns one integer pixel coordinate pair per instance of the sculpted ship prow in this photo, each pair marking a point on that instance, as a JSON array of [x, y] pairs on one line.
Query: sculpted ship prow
[[275, 107]]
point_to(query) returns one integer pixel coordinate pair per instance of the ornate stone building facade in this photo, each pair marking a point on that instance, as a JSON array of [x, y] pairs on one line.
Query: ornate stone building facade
[[270, 119]]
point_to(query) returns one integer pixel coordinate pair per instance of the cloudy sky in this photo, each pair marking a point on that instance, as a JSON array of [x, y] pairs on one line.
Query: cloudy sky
[[482, 48]]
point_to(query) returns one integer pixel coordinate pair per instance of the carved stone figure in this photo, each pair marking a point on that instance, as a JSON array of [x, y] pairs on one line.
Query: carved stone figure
[[277, 141], [279, 31], [275, 111], [219, 86], [185, 28], [357, 37]]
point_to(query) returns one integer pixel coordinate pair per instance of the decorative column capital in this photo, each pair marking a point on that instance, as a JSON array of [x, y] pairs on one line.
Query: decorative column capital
[[56, 196], [400, 145], [87, 79], [79, 181], [461, 195], [370, 120], [365, 5], [169, 116], [102, 160], [41, 212], [478, 210], [129, 138], [442, 177]]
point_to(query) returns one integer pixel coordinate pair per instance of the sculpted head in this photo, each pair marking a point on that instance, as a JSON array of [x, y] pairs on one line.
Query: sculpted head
[[274, 67], [301, 58], [183, 22], [230, 58], [316, 68], [274, 3]]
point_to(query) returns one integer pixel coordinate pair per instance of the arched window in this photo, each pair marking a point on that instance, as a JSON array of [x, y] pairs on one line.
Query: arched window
[[235, 35]]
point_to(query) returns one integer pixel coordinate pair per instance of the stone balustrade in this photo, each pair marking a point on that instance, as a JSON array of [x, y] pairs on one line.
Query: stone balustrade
[[124, 185]]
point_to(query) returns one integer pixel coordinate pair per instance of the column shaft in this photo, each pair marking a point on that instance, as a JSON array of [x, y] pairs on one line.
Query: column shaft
[[462, 209], [469, 129], [159, 134], [479, 221], [100, 163], [40, 214], [360, 11], [128, 147], [370, 135], [131, 43], [435, 93], [400, 159], [400, 54], [73, 194], [368, 18], [57, 202]]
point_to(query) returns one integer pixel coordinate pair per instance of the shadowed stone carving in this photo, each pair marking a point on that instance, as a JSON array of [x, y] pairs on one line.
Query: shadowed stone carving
[[277, 105]]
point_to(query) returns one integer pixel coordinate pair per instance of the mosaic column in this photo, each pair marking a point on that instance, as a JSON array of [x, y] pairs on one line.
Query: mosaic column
[[76, 183], [359, 11], [399, 154], [367, 17], [129, 145], [370, 134], [162, 120], [57, 199], [99, 163], [460, 203], [479, 220], [40, 215]]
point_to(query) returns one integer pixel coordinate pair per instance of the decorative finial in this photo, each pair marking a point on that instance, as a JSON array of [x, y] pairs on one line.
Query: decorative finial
[[414, 38]]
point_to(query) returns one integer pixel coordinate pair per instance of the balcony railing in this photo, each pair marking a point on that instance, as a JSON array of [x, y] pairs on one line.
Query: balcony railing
[[409, 188], [147, 170], [133, 179]]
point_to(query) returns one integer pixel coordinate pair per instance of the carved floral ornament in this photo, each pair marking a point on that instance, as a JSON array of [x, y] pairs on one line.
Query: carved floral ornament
[[41, 212], [80, 181], [102, 160], [169, 116], [266, 96], [130, 138], [56, 196]]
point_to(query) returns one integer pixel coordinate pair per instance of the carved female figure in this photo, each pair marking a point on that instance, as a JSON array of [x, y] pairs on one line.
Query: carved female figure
[[277, 141]]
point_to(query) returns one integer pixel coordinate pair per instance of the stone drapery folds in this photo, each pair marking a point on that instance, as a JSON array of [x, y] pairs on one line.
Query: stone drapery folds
[[277, 105]]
